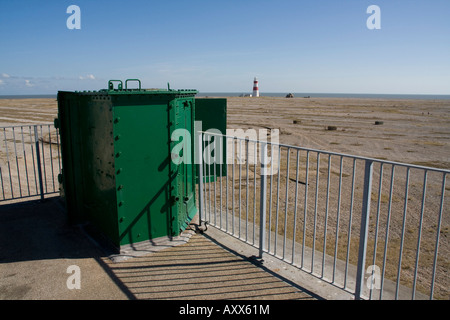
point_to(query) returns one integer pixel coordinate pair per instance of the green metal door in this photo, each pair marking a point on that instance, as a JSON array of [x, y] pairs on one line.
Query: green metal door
[[143, 168], [183, 167]]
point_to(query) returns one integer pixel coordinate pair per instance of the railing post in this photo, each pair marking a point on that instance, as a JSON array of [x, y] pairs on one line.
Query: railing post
[[364, 229], [200, 176], [262, 207], [38, 157]]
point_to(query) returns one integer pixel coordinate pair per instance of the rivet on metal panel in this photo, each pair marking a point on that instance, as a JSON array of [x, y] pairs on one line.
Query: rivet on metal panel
[[119, 170], [121, 203], [118, 137], [117, 120], [120, 187], [118, 154], [121, 219]]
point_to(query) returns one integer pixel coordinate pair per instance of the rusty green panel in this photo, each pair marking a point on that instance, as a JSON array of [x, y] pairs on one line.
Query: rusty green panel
[[87, 160]]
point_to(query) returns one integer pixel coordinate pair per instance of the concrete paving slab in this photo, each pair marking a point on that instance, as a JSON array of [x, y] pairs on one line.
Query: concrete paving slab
[[201, 270], [37, 247]]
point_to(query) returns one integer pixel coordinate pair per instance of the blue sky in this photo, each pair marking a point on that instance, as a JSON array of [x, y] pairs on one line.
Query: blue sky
[[316, 46]]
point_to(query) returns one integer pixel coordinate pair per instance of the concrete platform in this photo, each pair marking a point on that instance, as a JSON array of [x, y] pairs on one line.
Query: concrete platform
[[37, 247]]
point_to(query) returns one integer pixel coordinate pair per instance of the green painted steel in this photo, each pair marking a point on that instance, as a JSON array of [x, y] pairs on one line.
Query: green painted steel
[[88, 161], [211, 115], [120, 172]]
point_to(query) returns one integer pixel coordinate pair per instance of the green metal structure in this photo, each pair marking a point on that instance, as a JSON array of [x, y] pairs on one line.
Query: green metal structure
[[118, 172]]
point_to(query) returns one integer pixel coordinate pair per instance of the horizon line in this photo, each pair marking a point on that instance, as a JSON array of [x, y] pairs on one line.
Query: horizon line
[[269, 92]]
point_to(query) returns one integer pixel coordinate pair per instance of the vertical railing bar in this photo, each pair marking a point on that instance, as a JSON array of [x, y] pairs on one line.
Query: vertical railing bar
[[365, 214], [58, 147], [215, 180], [337, 218], [380, 183], [240, 188], [200, 177], [221, 179], [38, 159], [205, 175], [226, 183], [254, 189], [232, 189], [210, 186], [286, 200], [305, 207], [212, 183], [295, 209], [51, 157], [9, 165], [1, 180], [326, 216], [270, 198], [424, 190], [229, 211], [315, 212], [208, 181], [278, 200], [207, 184], [25, 160], [349, 233], [397, 285], [34, 163], [43, 160], [263, 195], [17, 161], [247, 142], [438, 231], [388, 219]]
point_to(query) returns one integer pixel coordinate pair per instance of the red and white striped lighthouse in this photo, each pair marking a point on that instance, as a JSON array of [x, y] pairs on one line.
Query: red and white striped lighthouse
[[255, 88]]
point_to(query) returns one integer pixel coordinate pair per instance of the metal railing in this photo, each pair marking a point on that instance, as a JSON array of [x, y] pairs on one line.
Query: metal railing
[[376, 229], [29, 161]]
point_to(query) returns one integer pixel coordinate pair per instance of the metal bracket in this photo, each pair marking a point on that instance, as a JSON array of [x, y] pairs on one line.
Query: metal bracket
[[120, 85], [126, 83], [111, 84]]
